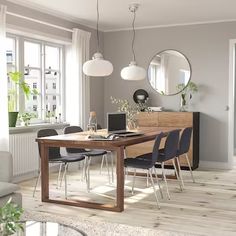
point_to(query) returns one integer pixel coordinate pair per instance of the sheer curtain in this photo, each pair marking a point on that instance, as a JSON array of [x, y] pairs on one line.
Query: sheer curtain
[[77, 84], [4, 130]]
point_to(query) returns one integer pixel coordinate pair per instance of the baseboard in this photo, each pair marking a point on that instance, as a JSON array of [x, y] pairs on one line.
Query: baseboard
[[215, 165]]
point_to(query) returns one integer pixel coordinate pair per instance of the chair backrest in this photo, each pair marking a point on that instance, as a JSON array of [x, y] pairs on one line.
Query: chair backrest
[[54, 152], [155, 150], [171, 144], [70, 130], [185, 140]]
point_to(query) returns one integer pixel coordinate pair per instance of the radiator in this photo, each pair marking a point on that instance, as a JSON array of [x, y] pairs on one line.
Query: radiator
[[24, 150]]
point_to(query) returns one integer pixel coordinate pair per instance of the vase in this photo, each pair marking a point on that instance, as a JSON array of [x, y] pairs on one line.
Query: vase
[[183, 103], [12, 118]]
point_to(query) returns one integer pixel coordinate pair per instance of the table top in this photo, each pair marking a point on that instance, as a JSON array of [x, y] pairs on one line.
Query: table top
[[36, 228], [81, 139]]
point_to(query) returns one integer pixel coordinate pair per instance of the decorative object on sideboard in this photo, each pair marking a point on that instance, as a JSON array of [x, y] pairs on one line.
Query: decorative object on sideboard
[[97, 67], [10, 215], [15, 80], [167, 69], [140, 96], [186, 94], [133, 71], [156, 108], [123, 105]]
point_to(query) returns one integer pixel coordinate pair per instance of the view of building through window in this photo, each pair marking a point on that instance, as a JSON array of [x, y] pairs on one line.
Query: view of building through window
[[42, 68]]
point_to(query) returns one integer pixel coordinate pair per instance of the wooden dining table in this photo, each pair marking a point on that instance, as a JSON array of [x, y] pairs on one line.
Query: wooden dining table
[[81, 140]]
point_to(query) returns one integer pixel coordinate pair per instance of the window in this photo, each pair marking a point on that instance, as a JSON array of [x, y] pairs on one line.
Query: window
[[43, 70]]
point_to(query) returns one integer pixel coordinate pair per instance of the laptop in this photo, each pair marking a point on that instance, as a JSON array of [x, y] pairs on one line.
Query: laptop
[[116, 124]]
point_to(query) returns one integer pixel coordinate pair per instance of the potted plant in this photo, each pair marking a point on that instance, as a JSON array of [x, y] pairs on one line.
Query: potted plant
[[130, 110], [26, 117], [10, 218], [186, 94], [17, 79]]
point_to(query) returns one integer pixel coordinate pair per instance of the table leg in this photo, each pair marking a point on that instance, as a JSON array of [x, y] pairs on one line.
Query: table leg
[[44, 173]]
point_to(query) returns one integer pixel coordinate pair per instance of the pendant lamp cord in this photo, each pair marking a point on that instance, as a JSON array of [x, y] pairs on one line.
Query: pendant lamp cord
[[134, 59], [97, 27]]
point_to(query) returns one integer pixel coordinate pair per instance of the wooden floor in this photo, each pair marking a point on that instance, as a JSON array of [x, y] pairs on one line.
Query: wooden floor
[[207, 207]]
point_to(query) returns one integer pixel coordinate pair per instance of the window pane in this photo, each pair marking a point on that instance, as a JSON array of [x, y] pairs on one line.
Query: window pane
[[10, 52], [52, 82], [53, 105], [52, 57], [32, 54], [33, 104]]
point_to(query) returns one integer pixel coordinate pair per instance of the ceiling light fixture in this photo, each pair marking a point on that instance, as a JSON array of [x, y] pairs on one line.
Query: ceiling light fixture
[[97, 67], [133, 71]]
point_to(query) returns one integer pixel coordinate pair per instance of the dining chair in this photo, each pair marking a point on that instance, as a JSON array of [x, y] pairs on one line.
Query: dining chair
[[147, 162], [183, 149], [54, 156], [87, 153]]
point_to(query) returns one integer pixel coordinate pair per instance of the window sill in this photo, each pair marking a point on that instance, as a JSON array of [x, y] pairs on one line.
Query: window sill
[[36, 127]]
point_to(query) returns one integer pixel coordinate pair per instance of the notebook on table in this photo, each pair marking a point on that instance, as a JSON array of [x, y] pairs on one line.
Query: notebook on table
[[116, 124]]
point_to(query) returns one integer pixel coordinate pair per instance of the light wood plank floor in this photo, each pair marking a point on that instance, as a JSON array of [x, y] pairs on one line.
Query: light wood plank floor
[[207, 207]]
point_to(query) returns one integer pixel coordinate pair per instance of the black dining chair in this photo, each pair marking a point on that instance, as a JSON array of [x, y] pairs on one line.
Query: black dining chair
[[146, 162], [184, 145], [54, 156], [88, 153]]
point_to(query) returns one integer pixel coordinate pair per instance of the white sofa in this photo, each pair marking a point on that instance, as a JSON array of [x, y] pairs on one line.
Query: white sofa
[[8, 189]]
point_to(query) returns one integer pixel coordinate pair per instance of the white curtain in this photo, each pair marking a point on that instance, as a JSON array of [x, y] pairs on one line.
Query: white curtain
[[77, 84], [4, 130]]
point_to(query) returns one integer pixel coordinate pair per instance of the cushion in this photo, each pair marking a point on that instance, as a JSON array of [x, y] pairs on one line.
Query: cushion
[[7, 188]]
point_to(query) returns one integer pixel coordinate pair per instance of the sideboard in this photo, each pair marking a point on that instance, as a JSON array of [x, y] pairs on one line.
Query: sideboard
[[175, 120]]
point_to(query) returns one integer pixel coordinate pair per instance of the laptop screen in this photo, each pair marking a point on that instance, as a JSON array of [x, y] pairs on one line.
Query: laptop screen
[[116, 121]]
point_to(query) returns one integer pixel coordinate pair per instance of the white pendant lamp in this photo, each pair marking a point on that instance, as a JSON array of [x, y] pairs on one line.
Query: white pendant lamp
[[97, 67], [133, 71]]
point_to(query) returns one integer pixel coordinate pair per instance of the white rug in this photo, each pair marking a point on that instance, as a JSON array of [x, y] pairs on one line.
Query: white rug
[[92, 228]]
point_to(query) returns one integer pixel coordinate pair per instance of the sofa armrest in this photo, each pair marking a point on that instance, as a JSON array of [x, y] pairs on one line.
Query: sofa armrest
[[6, 166]]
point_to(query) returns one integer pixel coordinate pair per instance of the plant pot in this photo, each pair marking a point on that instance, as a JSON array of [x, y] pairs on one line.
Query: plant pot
[[12, 118]]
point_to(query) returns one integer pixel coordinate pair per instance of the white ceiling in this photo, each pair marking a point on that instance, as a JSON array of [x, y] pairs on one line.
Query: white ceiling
[[114, 14]]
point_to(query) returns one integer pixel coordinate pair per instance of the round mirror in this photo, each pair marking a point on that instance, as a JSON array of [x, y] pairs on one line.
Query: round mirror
[[169, 72]]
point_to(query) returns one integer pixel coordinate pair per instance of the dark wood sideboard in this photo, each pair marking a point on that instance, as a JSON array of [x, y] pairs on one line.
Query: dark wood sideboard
[[175, 120]]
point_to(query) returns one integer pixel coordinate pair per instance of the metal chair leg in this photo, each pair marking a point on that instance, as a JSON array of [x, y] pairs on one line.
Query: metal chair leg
[[102, 164], [177, 175], [180, 171], [36, 184], [158, 182], [147, 178], [164, 176], [108, 170], [133, 182], [59, 175], [154, 189], [65, 177], [88, 174], [190, 168]]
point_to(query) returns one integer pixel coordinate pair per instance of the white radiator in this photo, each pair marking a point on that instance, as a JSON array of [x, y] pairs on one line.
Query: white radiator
[[24, 150]]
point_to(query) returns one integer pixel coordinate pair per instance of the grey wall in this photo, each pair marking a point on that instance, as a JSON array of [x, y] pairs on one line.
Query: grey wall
[[97, 86], [207, 48]]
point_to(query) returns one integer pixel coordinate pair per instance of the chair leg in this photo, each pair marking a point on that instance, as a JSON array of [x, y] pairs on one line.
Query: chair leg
[[65, 178], [190, 168], [108, 170], [164, 176], [59, 175], [112, 167], [147, 178], [133, 182], [36, 184], [102, 164], [154, 189], [158, 182], [88, 174], [177, 175], [180, 171]]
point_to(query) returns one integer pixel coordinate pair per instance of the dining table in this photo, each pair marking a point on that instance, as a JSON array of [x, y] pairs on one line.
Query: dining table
[[81, 140]]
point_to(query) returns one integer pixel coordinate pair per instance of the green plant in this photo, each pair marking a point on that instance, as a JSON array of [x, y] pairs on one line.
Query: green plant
[[17, 79], [9, 218], [186, 93], [26, 117], [130, 110]]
